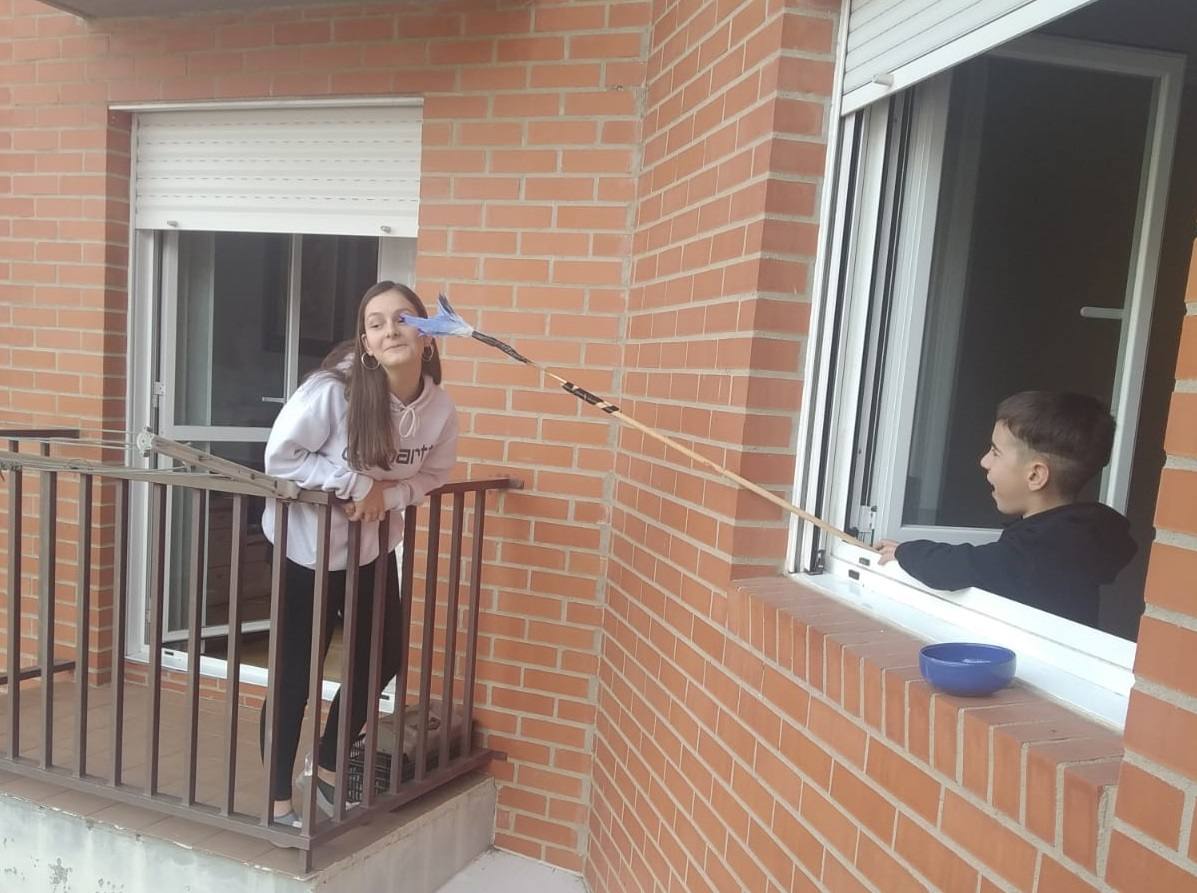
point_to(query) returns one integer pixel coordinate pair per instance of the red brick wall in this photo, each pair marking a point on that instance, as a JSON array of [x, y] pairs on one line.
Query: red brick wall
[[734, 147], [759, 736], [630, 191], [532, 135], [1153, 844]]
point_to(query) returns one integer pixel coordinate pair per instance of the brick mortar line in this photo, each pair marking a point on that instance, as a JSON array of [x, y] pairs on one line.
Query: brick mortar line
[[764, 217], [880, 735], [1176, 538], [616, 814], [708, 548], [753, 817], [780, 176], [770, 374], [749, 415], [780, 297], [1173, 858], [1160, 771], [1169, 696], [682, 23], [682, 502], [1174, 618], [721, 266], [678, 92], [949, 784], [1186, 385], [1184, 840], [521, 203], [244, 52], [1104, 810], [696, 46], [697, 140], [554, 748], [710, 233], [616, 817], [1180, 463], [518, 254], [557, 671], [1191, 308], [793, 338], [667, 562], [730, 450], [644, 226], [1094, 879]]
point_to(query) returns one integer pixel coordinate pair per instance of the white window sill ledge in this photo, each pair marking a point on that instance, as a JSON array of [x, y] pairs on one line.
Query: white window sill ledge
[[1101, 692]]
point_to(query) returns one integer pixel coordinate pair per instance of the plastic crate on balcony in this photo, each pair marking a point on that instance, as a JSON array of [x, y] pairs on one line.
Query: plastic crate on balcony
[[386, 747]]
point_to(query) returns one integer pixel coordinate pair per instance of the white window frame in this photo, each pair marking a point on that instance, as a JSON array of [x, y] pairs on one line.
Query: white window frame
[[1087, 668], [150, 324]]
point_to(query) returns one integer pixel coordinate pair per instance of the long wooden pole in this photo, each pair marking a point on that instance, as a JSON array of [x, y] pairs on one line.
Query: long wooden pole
[[614, 411]]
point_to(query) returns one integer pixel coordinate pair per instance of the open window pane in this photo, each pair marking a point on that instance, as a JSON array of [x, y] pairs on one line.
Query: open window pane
[[231, 319], [335, 273], [1008, 229], [1036, 221]]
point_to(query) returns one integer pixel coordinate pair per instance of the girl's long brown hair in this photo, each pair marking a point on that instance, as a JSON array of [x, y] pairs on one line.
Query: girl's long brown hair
[[371, 434]]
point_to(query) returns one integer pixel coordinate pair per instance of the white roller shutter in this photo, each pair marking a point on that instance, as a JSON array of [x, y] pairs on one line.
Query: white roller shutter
[[892, 44], [337, 170]]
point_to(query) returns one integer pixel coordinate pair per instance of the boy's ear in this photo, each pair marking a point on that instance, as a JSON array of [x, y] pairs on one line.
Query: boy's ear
[[1038, 474]]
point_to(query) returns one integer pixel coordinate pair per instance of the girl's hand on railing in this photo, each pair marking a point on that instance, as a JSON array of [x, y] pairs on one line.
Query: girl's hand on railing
[[372, 507]]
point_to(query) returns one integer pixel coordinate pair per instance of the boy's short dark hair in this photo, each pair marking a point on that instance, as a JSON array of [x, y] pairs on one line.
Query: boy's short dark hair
[[1074, 431]]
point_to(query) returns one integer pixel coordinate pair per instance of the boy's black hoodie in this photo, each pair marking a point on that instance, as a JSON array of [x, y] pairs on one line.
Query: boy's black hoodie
[[1053, 561]]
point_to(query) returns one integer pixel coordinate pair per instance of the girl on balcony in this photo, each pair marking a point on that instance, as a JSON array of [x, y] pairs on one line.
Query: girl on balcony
[[373, 426]]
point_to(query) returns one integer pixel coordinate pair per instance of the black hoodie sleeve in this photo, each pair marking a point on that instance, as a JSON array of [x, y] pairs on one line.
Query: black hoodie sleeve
[[997, 567]]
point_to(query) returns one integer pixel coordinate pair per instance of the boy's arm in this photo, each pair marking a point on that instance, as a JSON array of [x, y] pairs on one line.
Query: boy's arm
[[996, 567]]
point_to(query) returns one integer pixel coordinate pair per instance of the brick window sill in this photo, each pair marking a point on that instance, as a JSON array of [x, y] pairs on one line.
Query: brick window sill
[[1014, 778]]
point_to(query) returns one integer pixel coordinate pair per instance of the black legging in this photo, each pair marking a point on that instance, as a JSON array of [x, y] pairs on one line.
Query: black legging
[[295, 658]]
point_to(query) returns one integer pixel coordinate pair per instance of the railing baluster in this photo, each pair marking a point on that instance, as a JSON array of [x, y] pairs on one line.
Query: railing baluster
[[378, 619], [195, 619], [46, 577], [92, 480], [233, 655], [319, 631], [348, 638], [451, 629], [278, 587], [399, 716], [467, 730], [15, 517], [83, 621], [120, 557], [156, 595], [434, 545]]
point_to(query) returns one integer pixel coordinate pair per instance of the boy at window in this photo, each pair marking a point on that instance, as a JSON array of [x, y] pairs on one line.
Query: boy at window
[[1046, 447]]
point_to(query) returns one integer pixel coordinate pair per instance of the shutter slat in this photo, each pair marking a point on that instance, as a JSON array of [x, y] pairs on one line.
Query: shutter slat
[[893, 44], [342, 171]]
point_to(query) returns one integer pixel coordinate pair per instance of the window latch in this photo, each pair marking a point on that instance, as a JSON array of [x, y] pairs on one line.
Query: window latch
[[864, 519]]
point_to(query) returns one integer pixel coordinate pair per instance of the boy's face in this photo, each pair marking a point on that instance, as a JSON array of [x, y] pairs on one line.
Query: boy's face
[[1013, 471]]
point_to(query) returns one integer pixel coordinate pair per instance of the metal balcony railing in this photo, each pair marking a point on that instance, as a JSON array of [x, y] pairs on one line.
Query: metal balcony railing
[[415, 767]]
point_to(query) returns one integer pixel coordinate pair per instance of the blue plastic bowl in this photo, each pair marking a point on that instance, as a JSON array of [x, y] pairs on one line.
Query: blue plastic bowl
[[967, 669]]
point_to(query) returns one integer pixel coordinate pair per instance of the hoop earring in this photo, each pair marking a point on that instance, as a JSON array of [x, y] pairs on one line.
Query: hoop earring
[[429, 353], [362, 360]]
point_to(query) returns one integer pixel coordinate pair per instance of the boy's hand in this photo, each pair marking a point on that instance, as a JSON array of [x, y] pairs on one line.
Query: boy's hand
[[888, 551]]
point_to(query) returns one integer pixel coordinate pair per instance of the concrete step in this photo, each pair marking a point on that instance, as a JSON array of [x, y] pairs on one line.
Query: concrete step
[[496, 871], [53, 840]]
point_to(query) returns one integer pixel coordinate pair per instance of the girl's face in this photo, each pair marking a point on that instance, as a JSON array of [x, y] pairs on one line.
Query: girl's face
[[386, 337]]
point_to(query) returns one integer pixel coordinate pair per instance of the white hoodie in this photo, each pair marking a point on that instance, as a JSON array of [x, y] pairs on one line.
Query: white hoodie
[[309, 445]]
